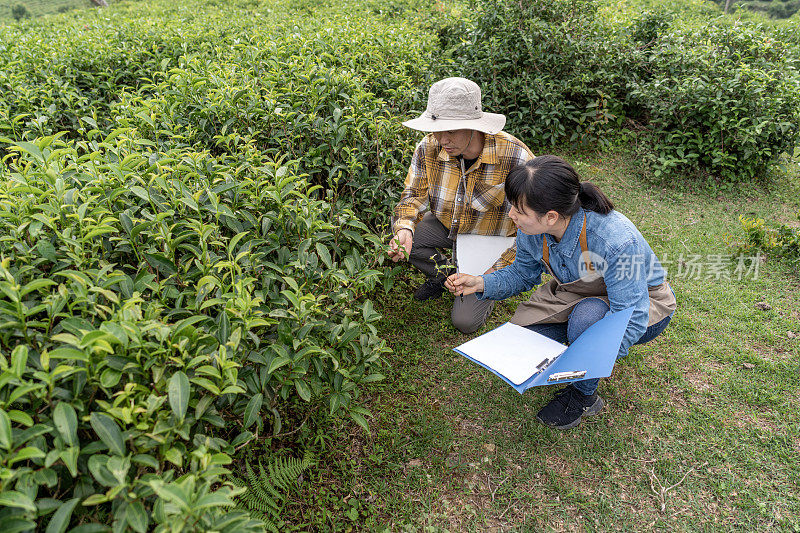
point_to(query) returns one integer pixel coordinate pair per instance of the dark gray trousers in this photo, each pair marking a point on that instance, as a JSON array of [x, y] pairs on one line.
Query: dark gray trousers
[[430, 236]]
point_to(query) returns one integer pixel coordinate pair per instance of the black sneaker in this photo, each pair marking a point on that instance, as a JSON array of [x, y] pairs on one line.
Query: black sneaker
[[567, 407], [432, 288]]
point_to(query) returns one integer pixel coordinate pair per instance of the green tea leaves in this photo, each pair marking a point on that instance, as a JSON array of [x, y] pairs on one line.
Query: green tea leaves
[[107, 429], [66, 422], [179, 394], [252, 410]]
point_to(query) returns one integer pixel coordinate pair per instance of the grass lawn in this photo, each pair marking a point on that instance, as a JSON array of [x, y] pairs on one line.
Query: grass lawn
[[700, 429]]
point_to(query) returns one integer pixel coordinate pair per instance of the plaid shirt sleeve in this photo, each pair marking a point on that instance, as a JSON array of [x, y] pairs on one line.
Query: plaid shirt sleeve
[[414, 199]]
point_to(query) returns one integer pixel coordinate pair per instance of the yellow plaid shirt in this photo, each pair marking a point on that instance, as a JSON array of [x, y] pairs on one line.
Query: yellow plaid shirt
[[471, 203]]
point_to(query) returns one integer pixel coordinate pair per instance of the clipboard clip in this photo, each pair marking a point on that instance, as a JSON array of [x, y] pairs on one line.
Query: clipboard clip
[[558, 376]]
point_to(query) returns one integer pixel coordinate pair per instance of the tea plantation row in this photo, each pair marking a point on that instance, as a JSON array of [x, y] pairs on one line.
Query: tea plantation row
[[175, 285]]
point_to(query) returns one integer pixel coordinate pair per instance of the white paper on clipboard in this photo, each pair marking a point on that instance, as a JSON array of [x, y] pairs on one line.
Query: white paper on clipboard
[[475, 254], [512, 351]]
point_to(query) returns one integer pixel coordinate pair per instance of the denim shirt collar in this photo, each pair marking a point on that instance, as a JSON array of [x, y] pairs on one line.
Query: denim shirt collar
[[569, 241]]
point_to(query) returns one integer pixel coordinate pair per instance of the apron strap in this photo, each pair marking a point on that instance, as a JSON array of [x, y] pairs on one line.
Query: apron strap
[[584, 248]]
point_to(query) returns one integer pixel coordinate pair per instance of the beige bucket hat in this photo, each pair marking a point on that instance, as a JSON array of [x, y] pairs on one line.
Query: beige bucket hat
[[455, 104]]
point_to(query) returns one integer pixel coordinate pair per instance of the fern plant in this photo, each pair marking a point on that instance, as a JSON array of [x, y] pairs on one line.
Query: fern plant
[[266, 489]]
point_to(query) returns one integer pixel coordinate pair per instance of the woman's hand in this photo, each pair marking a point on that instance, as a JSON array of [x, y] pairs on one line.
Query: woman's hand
[[461, 284]]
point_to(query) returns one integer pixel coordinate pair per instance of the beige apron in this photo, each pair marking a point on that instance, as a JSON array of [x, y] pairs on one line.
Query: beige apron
[[553, 302]]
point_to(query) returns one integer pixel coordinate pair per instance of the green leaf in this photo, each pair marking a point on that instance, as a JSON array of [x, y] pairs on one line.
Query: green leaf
[[29, 452], [13, 498], [215, 499], [70, 458], [20, 417], [35, 285], [179, 394], [241, 438], [6, 437], [118, 467], [97, 467], [31, 149], [127, 223], [361, 421], [303, 389], [19, 359], [174, 456], [162, 264], [348, 336], [18, 525], [60, 520], [109, 432], [21, 391], [173, 493], [66, 422], [324, 254], [278, 362], [206, 384], [47, 250], [146, 460], [252, 409], [95, 499], [136, 516], [224, 327], [368, 311], [71, 354], [140, 192]]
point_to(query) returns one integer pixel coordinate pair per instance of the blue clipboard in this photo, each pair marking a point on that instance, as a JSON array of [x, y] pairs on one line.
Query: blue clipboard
[[592, 355]]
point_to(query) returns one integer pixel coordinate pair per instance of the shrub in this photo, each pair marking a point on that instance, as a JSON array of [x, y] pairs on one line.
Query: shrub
[[551, 67], [19, 12], [722, 101], [713, 98], [781, 241], [159, 310], [328, 89]]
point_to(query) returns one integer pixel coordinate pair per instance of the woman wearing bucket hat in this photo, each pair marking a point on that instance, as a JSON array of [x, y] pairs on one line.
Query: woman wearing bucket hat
[[457, 173]]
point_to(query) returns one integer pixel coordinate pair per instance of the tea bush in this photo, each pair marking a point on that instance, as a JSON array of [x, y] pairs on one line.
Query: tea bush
[[722, 100], [50, 79], [710, 97], [326, 88], [334, 104], [185, 255], [551, 67], [161, 309], [184, 260]]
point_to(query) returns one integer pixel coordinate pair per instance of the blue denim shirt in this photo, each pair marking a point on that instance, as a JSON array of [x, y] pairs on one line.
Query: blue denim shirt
[[630, 266]]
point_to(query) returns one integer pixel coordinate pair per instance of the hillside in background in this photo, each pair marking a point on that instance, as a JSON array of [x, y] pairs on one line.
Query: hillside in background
[[35, 8], [779, 9]]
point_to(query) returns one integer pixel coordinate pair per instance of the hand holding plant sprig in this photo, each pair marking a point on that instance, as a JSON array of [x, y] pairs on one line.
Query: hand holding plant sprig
[[464, 284], [400, 245]]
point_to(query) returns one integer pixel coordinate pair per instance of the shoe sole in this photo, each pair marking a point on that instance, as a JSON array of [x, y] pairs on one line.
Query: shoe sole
[[592, 410]]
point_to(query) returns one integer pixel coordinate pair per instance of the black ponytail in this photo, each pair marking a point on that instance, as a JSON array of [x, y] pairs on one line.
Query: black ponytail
[[548, 183], [593, 199]]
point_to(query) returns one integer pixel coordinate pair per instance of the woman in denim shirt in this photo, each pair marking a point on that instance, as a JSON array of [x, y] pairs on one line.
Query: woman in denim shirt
[[599, 263]]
